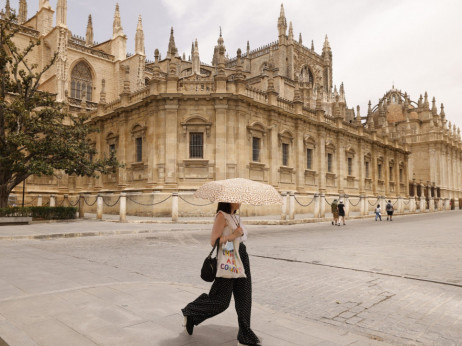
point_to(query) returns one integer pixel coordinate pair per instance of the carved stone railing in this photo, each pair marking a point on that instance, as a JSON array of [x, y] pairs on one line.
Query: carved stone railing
[[139, 95], [329, 120], [285, 104], [113, 105], [91, 51], [76, 103], [256, 94], [197, 87]]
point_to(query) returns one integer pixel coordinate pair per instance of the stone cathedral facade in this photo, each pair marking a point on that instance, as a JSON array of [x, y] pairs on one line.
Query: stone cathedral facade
[[271, 114]]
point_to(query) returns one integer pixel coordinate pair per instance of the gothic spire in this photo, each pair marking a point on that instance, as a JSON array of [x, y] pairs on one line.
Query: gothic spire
[[291, 32], [7, 8], [22, 15], [117, 29], [326, 51], [172, 51], [196, 62], [282, 22], [61, 13], [44, 4], [426, 104], [139, 38], [89, 35], [312, 46], [300, 38], [434, 110], [248, 49]]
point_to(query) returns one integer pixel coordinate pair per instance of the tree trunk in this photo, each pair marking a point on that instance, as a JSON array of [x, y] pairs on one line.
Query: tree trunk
[[4, 196]]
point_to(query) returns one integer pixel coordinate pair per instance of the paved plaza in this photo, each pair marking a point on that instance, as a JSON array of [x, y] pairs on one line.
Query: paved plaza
[[366, 283]]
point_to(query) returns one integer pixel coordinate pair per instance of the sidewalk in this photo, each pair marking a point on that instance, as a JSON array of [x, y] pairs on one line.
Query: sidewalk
[[148, 313]]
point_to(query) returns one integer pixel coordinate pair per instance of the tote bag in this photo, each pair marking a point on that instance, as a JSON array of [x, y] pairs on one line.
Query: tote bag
[[229, 264]]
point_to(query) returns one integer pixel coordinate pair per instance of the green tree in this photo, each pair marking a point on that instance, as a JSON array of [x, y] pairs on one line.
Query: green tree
[[37, 135]]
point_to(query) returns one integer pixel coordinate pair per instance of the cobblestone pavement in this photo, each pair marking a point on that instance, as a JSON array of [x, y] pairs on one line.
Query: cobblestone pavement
[[397, 281]]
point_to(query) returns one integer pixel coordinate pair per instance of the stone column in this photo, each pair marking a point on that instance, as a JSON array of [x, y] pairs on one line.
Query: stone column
[[81, 206], [400, 205], [39, 200], [52, 201], [171, 141], [322, 212], [274, 152], [121, 152], [220, 140], [291, 206], [317, 205], [66, 201], [423, 208], [362, 205], [347, 205], [175, 206], [284, 206], [123, 207], [99, 207]]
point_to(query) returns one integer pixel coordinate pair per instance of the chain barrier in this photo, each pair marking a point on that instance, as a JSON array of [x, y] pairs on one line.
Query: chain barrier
[[31, 203], [408, 202], [354, 205], [327, 201], [302, 205], [112, 205], [139, 203], [73, 204], [61, 204], [196, 205], [375, 203], [90, 205]]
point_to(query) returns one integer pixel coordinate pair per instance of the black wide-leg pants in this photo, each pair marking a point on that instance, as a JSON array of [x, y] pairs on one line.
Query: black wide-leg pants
[[219, 297]]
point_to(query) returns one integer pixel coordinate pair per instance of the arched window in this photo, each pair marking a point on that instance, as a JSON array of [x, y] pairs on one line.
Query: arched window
[[81, 81], [306, 76]]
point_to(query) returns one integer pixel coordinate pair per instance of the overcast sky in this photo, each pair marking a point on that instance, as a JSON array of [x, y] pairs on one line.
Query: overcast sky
[[415, 44]]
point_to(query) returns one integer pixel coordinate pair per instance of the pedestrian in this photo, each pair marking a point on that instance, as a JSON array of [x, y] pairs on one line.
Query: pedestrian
[[334, 209], [378, 214], [341, 212], [227, 228], [389, 208]]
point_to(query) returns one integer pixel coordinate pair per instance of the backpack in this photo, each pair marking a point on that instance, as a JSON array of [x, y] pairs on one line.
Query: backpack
[[333, 207], [389, 207]]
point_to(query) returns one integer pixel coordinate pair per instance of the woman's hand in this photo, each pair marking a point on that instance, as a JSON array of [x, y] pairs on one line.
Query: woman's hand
[[239, 232]]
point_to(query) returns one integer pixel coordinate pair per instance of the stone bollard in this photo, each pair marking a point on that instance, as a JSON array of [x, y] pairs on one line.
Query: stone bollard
[[123, 207], [284, 206], [52, 201], [317, 205], [291, 206], [447, 205], [362, 205], [347, 205], [431, 205], [81, 206], [423, 207], [400, 205], [153, 205], [322, 210], [99, 207], [175, 206], [39, 201], [66, 201]]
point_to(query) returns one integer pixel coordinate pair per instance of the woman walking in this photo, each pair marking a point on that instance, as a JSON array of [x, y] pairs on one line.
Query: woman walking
[[227, 228], [378, 213]]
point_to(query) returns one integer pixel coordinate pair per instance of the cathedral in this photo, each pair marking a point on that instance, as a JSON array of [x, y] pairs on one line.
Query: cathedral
[[271, 114]]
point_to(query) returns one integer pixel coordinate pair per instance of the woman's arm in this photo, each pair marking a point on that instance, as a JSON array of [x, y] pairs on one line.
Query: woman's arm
[[217, 231]]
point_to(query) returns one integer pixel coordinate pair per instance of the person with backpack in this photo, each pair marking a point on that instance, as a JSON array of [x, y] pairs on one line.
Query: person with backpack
[[341, 212], [389, 208], [378, 214], [334, 209]]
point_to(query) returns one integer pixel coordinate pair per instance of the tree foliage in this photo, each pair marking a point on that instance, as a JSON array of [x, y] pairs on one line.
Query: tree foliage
[[37, 134]]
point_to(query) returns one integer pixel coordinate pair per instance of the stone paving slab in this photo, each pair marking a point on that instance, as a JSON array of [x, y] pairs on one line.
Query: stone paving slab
[[147, 313]]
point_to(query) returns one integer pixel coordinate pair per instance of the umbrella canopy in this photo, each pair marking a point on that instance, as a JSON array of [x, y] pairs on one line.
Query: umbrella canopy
[[239, 190]]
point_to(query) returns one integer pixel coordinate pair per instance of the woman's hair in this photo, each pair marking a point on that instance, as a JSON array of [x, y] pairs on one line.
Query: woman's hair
[[224, 207], [378, 205]]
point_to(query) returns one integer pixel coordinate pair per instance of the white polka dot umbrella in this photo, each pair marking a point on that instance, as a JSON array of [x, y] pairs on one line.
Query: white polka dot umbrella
[[239, 190]]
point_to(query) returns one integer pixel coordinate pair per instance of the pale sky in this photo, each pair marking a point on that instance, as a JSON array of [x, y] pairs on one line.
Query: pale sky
[[415, 44]]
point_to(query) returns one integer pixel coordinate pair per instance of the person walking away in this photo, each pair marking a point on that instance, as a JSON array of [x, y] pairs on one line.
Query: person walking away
[[389, 208], [341, 212], [227, 228], [334, 209], [378, 214]]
